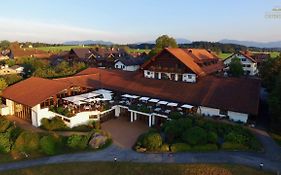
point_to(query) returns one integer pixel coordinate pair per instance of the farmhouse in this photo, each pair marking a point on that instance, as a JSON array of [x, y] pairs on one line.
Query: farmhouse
[[129, 64], [249, 63], [185, 65], [100, 94]]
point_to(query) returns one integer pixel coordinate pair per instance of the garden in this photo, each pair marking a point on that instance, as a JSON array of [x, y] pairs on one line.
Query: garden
[[17, 144], [197, 134]]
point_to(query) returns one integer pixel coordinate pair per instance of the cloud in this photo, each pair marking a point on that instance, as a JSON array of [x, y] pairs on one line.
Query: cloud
[[23, 30]]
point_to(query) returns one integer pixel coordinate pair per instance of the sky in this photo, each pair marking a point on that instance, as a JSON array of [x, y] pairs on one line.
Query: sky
[[130, 21]]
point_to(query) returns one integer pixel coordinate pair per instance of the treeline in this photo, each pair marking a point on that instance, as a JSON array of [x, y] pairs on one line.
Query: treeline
[[214, 46], [270, 72]]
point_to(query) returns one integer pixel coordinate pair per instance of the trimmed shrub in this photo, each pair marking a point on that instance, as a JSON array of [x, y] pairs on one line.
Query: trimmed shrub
[[207, 147], [27, 142], [5, 143], [4, 125], [152, 141], [53, 124], [49, 144], [78, 141], [212, 137], [233, 146], [180, 147], [175, 115], [165, 148], [194, 136]]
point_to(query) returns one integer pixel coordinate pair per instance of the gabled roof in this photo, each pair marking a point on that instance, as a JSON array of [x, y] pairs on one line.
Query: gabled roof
[[233, 94], [82, 52], [200, 54], [131, 61], [33, 91], [181, 55], [243, 54]]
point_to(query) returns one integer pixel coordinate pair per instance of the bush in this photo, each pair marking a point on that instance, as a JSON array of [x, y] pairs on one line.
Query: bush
[[175, 115], [207, 147], [4, 125], [194, 136], [233, 146], [152, 141], [53, 124], [47, 144], [165, 148], [212, 137], [95, 125], [27, 142], [180, 147], [5, 143], [78, 141]]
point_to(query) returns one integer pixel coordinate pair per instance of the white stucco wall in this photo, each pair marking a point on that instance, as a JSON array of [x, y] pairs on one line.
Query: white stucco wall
[[10, 104], [236, 116], [189, 78], [4, 110], [208, 111], [244, 61], [149, 74], [120, 65]]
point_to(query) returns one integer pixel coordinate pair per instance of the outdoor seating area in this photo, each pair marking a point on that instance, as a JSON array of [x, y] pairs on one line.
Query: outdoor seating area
[[98, 100], [152, 105]]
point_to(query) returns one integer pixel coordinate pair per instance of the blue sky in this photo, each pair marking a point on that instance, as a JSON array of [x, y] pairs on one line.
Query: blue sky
[[127, 21]]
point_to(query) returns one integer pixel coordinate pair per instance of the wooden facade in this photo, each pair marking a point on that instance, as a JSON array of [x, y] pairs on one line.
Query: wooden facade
[[22, 112]]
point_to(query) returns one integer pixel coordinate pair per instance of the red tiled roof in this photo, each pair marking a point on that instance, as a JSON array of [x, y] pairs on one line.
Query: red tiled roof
[[233, 94], [33, 91]]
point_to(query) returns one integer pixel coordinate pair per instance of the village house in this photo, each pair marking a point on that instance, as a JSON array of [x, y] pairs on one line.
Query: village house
[[6, 70], [186, 65], [129, 64], [249, 64]]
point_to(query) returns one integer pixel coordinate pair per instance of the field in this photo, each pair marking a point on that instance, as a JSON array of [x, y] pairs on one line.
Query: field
[[272, 54], [138, 50], [56, 49], [110, 168], [224, 55]]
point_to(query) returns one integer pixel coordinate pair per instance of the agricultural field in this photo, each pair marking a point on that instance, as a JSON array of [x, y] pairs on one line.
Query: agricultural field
[[56, 49], [224, 55]]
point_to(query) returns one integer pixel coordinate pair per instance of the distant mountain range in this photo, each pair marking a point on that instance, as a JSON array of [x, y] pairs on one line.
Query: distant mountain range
[[275, 44], [88, 42]]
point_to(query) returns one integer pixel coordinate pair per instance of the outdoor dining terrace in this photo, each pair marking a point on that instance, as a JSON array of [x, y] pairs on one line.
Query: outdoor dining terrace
[[98, 100], [152, 105]]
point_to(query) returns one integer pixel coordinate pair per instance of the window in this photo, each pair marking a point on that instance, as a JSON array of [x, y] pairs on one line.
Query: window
[[189, 76], [243, 59], [248, 65], [148, 73]]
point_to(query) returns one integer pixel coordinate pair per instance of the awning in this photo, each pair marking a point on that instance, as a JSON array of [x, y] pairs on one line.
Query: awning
[[90, 95], [172, 104], [130, 96], [74, 98], [154, 100], [187, 106], [144, 98], [105, 93], [162, 102]]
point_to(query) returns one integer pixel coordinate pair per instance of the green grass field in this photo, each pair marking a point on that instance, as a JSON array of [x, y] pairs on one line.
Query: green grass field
[[110, 168], [224, 55], [56, 49]]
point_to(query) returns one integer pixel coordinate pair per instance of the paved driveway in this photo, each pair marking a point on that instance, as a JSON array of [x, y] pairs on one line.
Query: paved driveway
[[123, 132]]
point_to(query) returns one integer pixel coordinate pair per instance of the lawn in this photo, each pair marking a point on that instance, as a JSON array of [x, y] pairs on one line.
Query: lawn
[[272, 54], [110, 168], [56, 49], [224, 55]]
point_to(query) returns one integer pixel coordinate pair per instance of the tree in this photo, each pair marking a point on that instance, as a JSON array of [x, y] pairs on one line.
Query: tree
[[275, 105], [269, 70], [163, 42], [3, 84], [236, 67], [4, 44]]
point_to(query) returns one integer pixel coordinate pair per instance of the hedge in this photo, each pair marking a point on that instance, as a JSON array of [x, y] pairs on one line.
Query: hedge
[[233, 146], [27, 142], [78, 141], [4, 124], [152, 141], [53, 124], [5, 143], [203, 148], [180, 147], [51, 144]]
